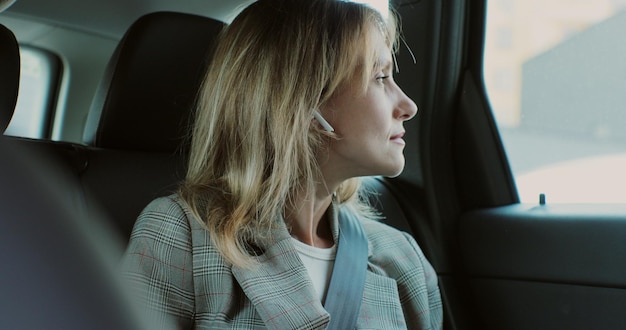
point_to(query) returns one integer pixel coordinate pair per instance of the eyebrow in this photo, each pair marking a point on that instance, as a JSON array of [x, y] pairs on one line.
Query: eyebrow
[[383, 62]]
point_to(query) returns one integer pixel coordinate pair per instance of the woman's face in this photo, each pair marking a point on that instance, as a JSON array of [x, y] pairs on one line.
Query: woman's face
[[370, 124]]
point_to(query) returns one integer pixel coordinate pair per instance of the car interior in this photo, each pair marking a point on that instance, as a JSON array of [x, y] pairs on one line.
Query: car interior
[[117, 137]]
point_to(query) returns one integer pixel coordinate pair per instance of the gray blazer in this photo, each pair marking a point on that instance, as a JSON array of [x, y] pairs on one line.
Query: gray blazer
[[185, 283]]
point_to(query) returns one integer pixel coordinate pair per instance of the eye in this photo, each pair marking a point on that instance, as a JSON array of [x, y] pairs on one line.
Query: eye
[[382, 78]]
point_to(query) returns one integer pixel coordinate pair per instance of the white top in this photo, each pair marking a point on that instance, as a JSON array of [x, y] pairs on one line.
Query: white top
[[319, 262]]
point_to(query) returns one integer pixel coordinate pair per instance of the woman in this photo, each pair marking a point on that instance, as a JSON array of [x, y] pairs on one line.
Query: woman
[[298, 103]]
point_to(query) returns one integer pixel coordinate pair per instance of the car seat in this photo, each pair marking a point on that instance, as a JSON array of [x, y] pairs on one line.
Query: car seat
[[138, 124]]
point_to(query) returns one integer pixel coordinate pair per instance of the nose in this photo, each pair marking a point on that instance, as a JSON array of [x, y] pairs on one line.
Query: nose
[[406, 108]]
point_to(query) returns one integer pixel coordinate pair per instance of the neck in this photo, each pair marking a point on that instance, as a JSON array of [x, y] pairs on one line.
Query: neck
[[307, 218]]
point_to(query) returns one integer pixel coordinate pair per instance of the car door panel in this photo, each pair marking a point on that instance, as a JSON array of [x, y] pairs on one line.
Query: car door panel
[[529, 266], [514, 304], [582, 244], [532, 266]]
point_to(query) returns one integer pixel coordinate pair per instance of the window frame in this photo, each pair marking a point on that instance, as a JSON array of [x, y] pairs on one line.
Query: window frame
[[49, 100]]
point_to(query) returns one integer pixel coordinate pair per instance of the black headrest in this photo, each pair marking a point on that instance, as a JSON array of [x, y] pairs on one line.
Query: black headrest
[[9, 75], [147, 95]]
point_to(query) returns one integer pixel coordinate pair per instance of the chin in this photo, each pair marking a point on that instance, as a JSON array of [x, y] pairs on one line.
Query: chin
[[394, 174], [394, 170]]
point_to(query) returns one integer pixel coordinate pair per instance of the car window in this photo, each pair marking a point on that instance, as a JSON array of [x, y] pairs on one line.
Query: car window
[[556, 80], [39, 85]]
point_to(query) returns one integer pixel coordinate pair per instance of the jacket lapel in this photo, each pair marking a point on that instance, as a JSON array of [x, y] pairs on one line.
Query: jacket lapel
[[334, 224], [280, 289]]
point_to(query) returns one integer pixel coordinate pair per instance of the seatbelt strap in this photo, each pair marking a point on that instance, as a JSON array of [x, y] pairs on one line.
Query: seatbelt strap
[[345, 291]]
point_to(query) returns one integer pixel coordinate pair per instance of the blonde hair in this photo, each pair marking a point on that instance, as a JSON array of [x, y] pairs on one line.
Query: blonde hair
[[254, 141]]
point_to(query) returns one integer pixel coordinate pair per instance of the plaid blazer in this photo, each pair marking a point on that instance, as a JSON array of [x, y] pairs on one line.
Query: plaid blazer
[[185, 283]]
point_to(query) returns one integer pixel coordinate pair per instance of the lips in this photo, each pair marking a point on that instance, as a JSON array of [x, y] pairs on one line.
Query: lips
[[398, 138]]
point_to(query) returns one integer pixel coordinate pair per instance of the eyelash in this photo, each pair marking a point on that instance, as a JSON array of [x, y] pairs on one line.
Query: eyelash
[[382, 78]]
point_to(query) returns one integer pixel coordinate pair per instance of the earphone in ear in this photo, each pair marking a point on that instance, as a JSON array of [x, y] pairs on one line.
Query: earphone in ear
[[322, 121]]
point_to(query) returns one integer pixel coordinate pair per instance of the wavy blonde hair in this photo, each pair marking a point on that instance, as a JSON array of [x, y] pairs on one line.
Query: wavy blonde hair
[[254, 141]]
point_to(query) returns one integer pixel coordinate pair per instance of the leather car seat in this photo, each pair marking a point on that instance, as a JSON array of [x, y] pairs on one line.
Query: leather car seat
[[139, 121], [57, 268]]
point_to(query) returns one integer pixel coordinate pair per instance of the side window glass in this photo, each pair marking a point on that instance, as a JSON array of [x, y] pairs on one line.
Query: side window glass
[[38, 92], [556, 80]]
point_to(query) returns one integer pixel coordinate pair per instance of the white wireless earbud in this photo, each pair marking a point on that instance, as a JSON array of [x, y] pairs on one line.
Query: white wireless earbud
[[322, 121]]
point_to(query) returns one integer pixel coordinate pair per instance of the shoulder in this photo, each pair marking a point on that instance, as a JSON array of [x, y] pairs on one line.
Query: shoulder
[[171, 205], [389, 245], [383, 236], [163, 218], [168, 208]]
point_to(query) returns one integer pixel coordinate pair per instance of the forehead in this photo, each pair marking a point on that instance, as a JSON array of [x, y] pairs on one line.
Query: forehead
[[380, 49], [371, 52]]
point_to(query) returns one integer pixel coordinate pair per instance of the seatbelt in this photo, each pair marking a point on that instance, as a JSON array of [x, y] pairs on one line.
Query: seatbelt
[[345, 291]]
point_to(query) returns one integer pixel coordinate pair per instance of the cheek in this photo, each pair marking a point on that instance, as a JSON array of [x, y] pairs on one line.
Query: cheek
[[358, 129], [361, 141], [361, 119], [363, 116]]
